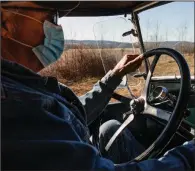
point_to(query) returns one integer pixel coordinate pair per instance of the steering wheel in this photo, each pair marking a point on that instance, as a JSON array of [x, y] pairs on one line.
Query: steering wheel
[[174, 119]]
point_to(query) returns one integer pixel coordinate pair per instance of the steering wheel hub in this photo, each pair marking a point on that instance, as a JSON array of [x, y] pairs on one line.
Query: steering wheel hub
[[137, 105]]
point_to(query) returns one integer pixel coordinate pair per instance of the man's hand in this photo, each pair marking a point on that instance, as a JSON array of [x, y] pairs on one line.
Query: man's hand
[[127, 64]]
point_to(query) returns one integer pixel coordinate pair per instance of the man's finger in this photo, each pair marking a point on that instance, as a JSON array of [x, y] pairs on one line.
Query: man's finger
[[137, 59], [141, 57], [133, 62]]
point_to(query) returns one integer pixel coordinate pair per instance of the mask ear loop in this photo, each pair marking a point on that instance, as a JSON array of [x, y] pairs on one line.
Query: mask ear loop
[[24, 44], [32, 18]]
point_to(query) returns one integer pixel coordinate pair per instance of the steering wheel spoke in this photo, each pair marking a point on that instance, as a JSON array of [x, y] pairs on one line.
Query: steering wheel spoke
[[159, 113]]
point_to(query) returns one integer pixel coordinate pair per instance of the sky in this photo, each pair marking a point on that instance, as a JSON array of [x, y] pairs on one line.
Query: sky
[[171, 22]]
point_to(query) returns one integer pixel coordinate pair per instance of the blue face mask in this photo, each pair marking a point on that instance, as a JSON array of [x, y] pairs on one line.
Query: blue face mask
[[53, 44]]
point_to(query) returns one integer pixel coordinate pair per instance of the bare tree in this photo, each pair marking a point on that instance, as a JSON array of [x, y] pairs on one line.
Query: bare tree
[[166, 35], [182, 36], [147, 34], [147, 29], [156, 35]]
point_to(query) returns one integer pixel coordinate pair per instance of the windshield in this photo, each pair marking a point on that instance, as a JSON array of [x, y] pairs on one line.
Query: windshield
[[93, 45], [170, 28]]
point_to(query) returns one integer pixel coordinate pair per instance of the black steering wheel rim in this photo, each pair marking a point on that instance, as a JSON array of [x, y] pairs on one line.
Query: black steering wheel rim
[[177, 115]]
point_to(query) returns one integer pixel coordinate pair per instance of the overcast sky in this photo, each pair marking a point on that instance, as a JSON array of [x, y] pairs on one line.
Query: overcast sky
[[172, 20]]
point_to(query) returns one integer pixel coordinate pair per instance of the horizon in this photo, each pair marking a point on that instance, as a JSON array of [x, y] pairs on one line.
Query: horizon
[[129, 42]]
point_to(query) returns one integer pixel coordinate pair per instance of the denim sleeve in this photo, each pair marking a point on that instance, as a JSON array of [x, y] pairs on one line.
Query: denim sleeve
[[96, 100], [181, 158]]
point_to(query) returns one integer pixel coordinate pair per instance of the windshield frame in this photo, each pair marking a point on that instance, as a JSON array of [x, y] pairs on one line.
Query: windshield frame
[[135, 21]]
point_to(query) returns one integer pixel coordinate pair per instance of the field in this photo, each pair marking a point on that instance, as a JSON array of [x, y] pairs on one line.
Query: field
[[81, 68]]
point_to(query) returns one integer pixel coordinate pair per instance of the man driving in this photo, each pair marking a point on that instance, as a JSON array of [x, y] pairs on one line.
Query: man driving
[[44, 124]]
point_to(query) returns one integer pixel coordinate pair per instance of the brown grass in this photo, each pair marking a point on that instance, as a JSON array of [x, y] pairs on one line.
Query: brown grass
[[81, 68]]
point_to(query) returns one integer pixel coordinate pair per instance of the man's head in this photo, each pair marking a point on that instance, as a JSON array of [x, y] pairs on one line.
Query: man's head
[[21, 30]]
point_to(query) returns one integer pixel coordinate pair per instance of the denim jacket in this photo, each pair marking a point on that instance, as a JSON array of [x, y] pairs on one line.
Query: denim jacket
[[45, 126]]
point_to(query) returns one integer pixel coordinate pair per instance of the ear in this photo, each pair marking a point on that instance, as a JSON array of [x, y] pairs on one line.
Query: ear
[[6, 26], [5, 34]]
